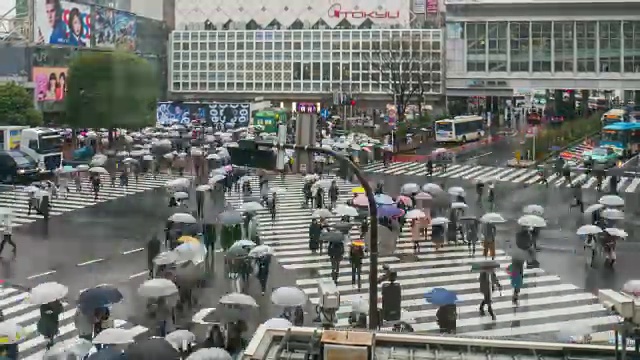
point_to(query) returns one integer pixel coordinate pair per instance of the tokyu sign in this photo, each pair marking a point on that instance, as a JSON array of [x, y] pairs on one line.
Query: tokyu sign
[[336, 11]]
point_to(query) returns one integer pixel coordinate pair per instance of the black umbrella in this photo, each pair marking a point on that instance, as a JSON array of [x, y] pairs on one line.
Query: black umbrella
[[154, 348], [98, 297], [331, 236]]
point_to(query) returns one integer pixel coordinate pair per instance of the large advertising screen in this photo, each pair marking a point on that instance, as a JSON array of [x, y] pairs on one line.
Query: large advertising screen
[[62, 23], [114, 29], [50, 83], [220, 116]]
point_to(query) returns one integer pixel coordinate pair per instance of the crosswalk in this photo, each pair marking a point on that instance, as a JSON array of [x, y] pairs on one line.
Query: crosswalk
[[526, 176], [574, 153], [16, 199], [17, 309], [547, 304]]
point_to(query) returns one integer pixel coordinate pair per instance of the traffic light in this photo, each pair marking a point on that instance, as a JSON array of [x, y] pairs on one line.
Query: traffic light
[[352, 102]]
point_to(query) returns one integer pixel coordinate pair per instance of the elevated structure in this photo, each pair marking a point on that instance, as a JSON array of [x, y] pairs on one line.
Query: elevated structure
[[494, 46]]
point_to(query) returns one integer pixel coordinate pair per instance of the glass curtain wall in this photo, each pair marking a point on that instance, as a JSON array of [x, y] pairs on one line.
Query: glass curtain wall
[[476, 46], [541, 45], [586, 39], [610, 46], [519, 32], [563, 46], [631, 35], [498, 48]]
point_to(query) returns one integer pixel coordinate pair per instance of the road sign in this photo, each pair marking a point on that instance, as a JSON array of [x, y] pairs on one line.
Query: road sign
[[324, 113]]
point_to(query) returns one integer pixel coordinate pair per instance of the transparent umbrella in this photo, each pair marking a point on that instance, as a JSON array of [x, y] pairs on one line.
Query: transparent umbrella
[[114, 336], [47, 292], [238, 299], [611, 200], [613, 214], [278, 323], [210, 354], [533, 209], [532, 221], [588, 230], [288, 296], [492, 218]]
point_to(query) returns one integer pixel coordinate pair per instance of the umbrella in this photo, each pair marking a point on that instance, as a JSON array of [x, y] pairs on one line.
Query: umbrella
[[360, 200], [166, 258], [383, 199], [533, 210], [181, 195], [440, 297], [532, 221], [278, 323], [243, 244], [439, 221], [345, 210], [331, 236], [611, 200], [147, 158], [484, 265], [632, 287], [415, 214], [423, 196], [288, 296], [188, 251], [82, 167], [210, 354], [518, 254], [215, 178], [110, 353], [360, 305], [230, 218], [11, 333], [178, 183], [459, 205], [238, 299], [183, 218], [98, 297], [322, 213], [456, 191], [251, 206], [410, 188], [592, 208], [260, 251], [389, 211], [613, 214], [203, 188], [358, 190], [114, 336], [98, 170], [63, 350], [237, 252], [431, 188], [180, 337], [616, 232], [155, 348], [156, 288], [402, 199], [588, 230], [343, 226], [188, 239], [47, 292], [492, 218]]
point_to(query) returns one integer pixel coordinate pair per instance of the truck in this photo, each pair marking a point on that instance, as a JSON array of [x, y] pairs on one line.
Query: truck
[[43, 145]]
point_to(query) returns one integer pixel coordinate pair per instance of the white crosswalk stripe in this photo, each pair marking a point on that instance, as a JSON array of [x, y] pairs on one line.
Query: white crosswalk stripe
[[17, 309], [17, 199], [546, 302], [526, 176]]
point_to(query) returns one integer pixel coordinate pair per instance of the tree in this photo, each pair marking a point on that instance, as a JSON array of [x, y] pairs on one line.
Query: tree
[[16, 106], [111, 90]]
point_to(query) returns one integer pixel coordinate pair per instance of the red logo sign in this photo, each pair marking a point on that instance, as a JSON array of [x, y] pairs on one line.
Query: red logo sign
[[336, 11]]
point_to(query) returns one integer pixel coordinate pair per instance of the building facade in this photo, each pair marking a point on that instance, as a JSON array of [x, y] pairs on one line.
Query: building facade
[[494, 46]]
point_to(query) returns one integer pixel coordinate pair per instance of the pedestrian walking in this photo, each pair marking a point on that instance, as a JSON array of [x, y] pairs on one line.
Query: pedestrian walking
[[356, 255], [77, 180], [488, 283], [200, 204], [315, 229], [333, 194], [7, 238], [153, 249], [335, 251], [272, 207], [489, 243], [262, 274], [95, 183]]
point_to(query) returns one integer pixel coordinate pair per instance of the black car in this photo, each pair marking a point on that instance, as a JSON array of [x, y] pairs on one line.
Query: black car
[[17, 167]]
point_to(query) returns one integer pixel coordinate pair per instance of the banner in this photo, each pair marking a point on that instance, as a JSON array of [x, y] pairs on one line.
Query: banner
[[220, 116], [114, 29], [432, 6], [62, 23], [419, 6], [50, 83]]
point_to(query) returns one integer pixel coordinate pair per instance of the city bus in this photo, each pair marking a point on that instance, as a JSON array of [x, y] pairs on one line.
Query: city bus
[[624, 137], [614, 116], [460, 129]]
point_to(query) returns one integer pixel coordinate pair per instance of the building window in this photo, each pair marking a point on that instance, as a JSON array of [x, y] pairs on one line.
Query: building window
[[541, 46], [610, 43], [497, 39], [476, 46], [586, 49], [631, 30], [563, 46]]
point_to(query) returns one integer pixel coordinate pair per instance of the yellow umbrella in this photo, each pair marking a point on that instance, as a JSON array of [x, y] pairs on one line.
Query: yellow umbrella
[[188, 239], [358, 190]]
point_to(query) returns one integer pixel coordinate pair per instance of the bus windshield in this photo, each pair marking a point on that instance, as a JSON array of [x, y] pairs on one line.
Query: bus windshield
[[614, 135], [444, 126]]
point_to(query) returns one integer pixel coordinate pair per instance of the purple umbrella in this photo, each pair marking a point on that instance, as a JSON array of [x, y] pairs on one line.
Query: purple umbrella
[[389, 211]]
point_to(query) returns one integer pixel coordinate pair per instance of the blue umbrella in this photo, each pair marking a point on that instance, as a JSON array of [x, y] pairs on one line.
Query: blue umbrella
[[98, 297], [389, 211], [383, 199], [441, 296]]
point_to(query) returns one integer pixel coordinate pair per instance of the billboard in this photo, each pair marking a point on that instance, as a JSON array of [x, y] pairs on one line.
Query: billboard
[[62, 23], [220, 116], [114, 29], [50, 83]]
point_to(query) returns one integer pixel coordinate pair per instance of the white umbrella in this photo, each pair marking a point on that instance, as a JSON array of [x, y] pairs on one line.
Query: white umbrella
[[616, 232], [322, 213], [261, 250], [98, 170], [424, 196], [492, 218], [592, 208], [278, 323], [611, 200], [345, 210], [415, 214], [213, 157], [180, 337], [533, 209], [288, 296], [532, 221], [11, 333], [613, 214], [203, 188], [147, 158], [210, 354], [47, 292], [251, 206], [459, 205], [410, 188], [183, 218], [114, 336], [238, 299], [431, 188], [62, 350], [588, 230], [439, 221], [82, 167], [181, 195], [156, 288], [632, 287], [178, 183], [456, 191]]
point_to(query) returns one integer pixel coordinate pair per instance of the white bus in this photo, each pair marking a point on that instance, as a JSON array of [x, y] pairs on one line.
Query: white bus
[[460, 129]]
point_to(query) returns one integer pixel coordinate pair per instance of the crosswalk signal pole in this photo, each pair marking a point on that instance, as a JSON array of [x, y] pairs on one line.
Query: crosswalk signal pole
[[282, 140]]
